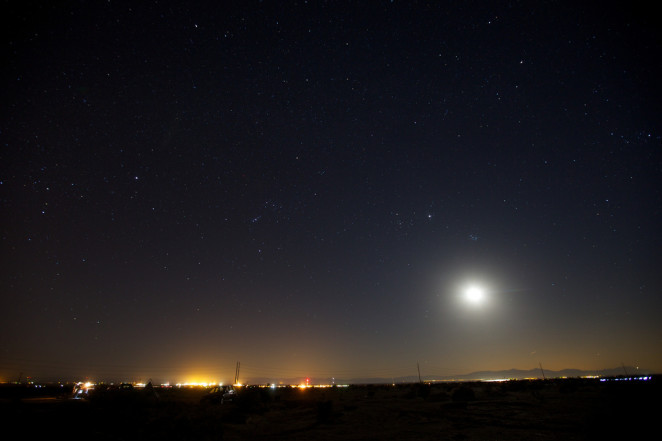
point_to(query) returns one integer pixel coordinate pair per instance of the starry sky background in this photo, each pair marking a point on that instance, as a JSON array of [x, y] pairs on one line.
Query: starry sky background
[[308, 187]]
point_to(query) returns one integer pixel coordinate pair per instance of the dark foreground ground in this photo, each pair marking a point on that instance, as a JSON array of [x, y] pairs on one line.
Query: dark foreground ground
[[569, 409]]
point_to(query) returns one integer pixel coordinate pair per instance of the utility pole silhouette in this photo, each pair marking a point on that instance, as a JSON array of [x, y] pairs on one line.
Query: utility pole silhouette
[[419, 372], [543, 372], [625, 370], [236, 374]]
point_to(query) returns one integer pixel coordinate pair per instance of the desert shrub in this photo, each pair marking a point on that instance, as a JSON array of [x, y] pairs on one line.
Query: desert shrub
[[515, 385], [423, 390], [463, 394], [411, 393], [568, 386], [267, 395], [417, 390], [249, 401], [325, 411], [439, 396], [537, 384], [235, 416]]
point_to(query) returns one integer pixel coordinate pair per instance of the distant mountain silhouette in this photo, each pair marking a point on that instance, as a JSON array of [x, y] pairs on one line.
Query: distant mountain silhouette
[[511, 374]]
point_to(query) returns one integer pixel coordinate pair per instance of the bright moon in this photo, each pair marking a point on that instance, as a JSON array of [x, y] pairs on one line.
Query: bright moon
[[475, 295]]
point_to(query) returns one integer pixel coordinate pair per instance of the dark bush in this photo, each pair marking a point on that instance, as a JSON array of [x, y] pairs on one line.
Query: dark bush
[[249, 401], [423, 390], [325, 411], [439, 397], [463, 394]]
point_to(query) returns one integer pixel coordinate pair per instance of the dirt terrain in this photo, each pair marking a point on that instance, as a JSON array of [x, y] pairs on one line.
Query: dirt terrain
[[570, 409]]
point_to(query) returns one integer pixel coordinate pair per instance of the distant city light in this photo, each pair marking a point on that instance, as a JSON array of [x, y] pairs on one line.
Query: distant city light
[[197, 384], [645, 378]]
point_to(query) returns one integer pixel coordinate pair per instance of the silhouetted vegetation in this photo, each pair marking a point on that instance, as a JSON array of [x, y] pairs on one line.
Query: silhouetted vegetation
[[573, 409], [463, 394], [325, 412]]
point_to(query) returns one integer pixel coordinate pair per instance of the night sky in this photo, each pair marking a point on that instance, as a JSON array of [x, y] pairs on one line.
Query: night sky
[[310, 188]]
